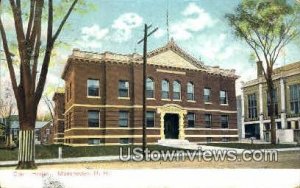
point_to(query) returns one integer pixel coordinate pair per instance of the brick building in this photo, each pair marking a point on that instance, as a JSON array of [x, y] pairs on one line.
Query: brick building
[[47, 133], [255, 108], [58, 121], [186, 99]]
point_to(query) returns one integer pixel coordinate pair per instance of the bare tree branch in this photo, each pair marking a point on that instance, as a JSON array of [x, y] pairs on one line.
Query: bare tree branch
[[49, 106], [30, 21], [50, 42], [9, 60], [64, 20]]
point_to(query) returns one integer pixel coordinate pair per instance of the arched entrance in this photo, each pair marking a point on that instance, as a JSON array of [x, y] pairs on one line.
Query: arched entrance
[[171, 124], [173, 114]]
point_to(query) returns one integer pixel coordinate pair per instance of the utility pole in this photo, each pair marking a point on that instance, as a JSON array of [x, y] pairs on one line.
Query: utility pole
[[146, 35]]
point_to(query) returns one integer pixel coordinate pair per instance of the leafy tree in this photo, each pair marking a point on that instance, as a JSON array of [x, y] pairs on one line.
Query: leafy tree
[[34, 57], [7, 108], [267, 27]]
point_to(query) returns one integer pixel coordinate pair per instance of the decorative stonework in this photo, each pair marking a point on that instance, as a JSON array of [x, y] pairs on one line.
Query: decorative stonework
[[172, 109], [170, 55]]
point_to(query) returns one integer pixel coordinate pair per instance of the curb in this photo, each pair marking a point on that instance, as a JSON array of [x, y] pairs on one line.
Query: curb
[[117, 158]]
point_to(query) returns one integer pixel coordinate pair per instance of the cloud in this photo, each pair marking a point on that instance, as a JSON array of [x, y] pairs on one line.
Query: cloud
[[92, 37], [195, 19], [215, 47], [159, 33], [124, 25]]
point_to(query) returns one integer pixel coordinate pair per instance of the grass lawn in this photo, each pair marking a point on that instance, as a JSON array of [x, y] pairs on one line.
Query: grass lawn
[[51, 151], [252, 146]]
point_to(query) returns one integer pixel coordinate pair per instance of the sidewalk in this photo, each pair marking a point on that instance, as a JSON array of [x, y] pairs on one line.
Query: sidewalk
[[117, 158], [65, 160]]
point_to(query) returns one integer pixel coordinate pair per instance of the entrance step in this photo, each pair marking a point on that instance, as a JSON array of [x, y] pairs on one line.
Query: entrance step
[[176, 143]]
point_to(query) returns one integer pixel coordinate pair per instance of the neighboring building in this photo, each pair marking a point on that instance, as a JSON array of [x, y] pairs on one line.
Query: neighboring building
[[15, 127], [186, 99], [239, 115], [58, 122], [47, 133], [256, 117]]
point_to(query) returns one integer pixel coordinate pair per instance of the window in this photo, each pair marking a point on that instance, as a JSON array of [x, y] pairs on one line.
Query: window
[[150, 88], [123, 88], [209, 139], [176, 90], [70, 88], [165, 89], [70, 120], [124, 140], [47, 131], [94, 141], [191, 119], [150, 118], [278, 124], [225, 139], [274, 96], [223, 97], [93, 118], [123, 119], [252, 106], [207, 119], [267, 126], [93, 88], [190, 91], [207, 93], [224, 121], [295, 98]]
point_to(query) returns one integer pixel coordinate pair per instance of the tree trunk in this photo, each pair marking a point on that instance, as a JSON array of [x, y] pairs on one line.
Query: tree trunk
[[26, 150], [270, 85]]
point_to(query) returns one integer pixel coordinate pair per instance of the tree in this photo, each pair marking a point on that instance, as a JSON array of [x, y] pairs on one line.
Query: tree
[[267, 27], [34, 58], [7, 108]]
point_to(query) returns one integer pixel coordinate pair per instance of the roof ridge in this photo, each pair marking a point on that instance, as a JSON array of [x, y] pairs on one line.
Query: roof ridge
[[171, 45]]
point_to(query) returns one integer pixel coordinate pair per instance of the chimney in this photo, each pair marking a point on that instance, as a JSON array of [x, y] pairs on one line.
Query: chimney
[[259, 68]]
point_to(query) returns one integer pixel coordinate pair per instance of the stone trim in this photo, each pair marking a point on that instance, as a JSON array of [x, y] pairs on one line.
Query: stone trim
[[110, 136], [210, 129], [171, 72], [174, 109], [109, 144], [110, 128], [140, 106], [205, 136]]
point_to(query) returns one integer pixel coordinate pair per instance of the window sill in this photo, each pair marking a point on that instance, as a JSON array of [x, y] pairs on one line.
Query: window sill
[[224, 104], [93, 97], [151, 99], [177, 100], [191, 101], [166, 99], [124, 98], [207, 102]]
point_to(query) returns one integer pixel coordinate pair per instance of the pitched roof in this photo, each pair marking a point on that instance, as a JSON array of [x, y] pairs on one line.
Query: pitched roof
[[38, 124], [170, 55], [174, 56]]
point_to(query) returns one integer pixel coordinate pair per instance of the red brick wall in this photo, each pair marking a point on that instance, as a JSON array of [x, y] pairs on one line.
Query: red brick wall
[[109, 75]]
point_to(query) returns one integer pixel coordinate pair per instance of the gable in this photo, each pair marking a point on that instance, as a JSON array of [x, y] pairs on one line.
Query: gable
[[172, 59]]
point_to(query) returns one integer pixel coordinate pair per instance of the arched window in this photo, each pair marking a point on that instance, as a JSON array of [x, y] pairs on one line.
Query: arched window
[[165, 89], [190, 91], [176, 90], [150, 88]]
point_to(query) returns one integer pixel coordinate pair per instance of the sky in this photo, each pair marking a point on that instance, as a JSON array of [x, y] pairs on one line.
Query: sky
[[197, 26]]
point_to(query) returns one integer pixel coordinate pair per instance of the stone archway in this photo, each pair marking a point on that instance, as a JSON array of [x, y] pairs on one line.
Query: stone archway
[[172, 109]]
